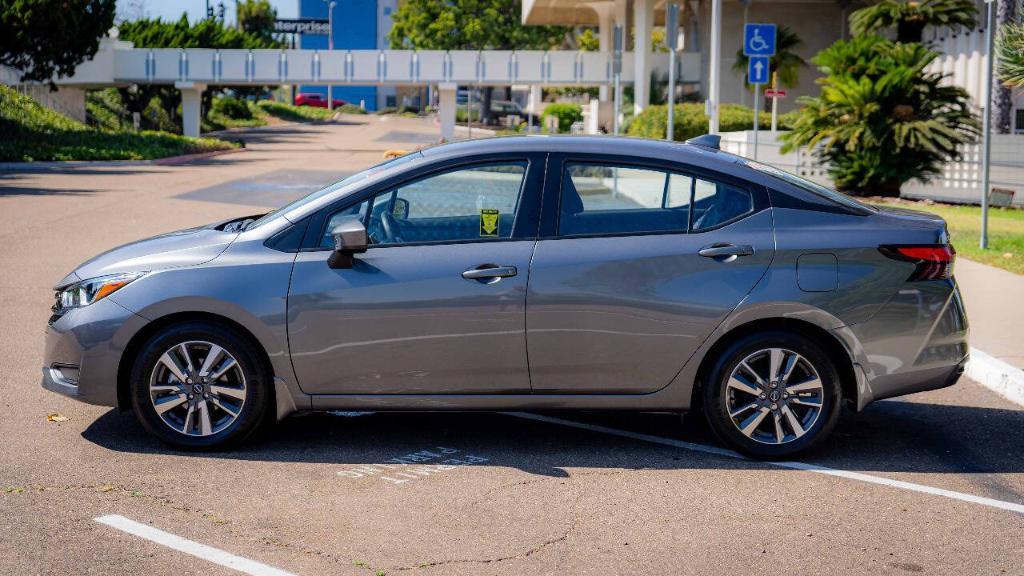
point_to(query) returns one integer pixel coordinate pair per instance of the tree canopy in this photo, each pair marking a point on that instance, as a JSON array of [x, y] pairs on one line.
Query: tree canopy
[[47, 38], [256, 17], [468, 25], [206, 33], [911, 17]]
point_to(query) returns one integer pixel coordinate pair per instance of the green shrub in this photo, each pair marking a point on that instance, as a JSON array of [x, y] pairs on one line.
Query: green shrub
[[567, 114], [291, 113], [233, 108], [32, 132], [690, 121]]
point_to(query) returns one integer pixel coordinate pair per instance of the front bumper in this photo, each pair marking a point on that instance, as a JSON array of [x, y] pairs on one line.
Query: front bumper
[[83, 351]]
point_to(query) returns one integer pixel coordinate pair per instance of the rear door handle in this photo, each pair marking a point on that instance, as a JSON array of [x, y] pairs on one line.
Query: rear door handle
[[722, 250], [492, 272]]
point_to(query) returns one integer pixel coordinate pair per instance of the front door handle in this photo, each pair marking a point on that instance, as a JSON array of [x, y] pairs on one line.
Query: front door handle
[[490, 272], [723, 250]]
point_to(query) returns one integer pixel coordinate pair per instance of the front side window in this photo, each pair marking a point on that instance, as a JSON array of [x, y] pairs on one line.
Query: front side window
[[601, 199], [470, 203]]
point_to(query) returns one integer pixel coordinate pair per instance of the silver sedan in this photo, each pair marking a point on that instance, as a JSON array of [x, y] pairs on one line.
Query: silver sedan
[[523, 273]]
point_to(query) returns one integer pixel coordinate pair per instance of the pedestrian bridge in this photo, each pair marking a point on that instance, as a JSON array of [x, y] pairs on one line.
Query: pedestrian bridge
[[118, 63]]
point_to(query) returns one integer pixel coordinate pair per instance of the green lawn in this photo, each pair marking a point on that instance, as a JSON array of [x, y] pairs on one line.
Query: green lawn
[[1005, 233]]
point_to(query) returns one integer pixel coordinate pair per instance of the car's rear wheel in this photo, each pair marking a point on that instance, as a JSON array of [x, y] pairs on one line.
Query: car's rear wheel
[[773, 394], [199, 385]]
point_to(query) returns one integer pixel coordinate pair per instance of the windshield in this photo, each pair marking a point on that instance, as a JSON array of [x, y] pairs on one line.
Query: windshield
[[358, 177], [809, 186]]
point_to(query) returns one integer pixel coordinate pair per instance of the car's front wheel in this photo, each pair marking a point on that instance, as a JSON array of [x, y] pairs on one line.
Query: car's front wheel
[[199, 385], [773, 394]]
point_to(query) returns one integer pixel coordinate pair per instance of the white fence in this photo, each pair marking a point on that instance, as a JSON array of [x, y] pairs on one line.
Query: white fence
[[959, 182]]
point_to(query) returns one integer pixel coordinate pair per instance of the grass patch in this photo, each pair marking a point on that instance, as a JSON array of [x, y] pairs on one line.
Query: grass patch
[[1005, 232], [292, 113], [32, 132]]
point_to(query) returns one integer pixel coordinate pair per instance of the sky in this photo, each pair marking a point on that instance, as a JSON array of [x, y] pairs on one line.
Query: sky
[[196, 9]]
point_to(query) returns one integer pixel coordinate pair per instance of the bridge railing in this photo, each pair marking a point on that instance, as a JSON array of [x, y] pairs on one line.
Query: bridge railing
[[490, 67]]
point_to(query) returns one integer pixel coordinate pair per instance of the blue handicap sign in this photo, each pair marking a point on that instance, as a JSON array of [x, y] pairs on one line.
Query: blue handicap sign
[[758, 70], [759, 40]]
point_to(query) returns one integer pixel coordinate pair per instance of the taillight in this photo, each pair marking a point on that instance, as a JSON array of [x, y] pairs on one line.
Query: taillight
[[934, 261]]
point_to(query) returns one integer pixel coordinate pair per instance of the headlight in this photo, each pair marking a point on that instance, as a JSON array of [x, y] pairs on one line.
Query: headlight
[[88, 291]]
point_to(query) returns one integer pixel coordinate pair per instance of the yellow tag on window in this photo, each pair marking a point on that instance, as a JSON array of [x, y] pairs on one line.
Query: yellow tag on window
[[489, 223]]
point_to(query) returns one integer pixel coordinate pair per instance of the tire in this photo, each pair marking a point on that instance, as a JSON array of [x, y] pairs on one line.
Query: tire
[[731, 404], [235, 401]]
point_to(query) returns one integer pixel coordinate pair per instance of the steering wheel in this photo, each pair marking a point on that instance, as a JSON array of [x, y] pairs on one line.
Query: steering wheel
[[392, 231]]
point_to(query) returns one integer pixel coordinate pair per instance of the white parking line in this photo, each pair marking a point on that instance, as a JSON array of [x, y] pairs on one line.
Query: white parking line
[[1002, 505], [196, 549]]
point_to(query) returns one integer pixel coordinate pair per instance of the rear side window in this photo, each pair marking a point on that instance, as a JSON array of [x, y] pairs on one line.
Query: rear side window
[[602, 199], [715, 204]]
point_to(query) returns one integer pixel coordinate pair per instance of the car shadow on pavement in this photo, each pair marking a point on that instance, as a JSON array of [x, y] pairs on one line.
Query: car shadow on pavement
[[891, 436]]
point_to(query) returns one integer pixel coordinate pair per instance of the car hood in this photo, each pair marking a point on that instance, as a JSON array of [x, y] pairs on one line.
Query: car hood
[[188, 247]]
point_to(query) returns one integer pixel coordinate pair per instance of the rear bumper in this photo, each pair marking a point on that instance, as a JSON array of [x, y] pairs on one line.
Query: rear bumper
[[918, 341], [83, 351]]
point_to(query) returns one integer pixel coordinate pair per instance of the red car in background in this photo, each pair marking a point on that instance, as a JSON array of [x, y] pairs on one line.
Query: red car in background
[[316, 100]]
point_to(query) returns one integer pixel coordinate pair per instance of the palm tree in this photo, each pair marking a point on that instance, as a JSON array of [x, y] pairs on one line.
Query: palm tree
[[786, 62], [881, 119], [1010, 52], [910, 17], [1011, 63]]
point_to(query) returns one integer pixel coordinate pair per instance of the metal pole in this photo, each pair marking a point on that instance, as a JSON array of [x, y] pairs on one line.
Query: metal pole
[[672, 40], [757, 110], [715, 64], [330, 46], [775, 103], [617, 39], [986, 134], [671, 93]]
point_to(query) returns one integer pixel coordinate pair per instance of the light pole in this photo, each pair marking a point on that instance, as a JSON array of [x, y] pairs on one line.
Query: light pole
[[716, 62], [330, 46], [986, 130]]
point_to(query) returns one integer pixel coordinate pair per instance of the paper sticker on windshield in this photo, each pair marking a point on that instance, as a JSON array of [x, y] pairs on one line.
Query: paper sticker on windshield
[[489, 223]]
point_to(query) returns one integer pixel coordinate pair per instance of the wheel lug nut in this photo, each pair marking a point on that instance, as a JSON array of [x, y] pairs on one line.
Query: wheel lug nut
[[775, 406], [785, 395], [775, 385], [761, 396], [190, 396], [206, 395]]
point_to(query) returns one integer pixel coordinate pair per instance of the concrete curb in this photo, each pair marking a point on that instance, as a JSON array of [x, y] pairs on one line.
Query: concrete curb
[[1002, 378]]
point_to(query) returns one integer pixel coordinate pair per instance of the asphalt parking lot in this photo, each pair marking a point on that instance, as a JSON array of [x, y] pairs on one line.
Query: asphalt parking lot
[[932, 483]]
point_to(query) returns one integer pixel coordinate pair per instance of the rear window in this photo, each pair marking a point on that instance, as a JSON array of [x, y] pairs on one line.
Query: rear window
[[809, 186]]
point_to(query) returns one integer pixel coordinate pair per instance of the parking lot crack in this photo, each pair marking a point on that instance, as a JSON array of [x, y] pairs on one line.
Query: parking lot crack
[[569, 531]]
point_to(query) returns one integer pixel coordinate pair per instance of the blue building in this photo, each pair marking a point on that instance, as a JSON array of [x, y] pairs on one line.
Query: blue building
[[358, 25]]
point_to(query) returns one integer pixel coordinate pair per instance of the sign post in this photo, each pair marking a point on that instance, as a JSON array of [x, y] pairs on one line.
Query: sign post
[[775, 102], [672, 41], [759, 47]]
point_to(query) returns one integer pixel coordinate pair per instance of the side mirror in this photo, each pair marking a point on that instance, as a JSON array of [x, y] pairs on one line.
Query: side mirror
[[349, 238], [400, 209]]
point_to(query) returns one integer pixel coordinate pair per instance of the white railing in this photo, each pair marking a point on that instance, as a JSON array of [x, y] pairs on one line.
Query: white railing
[[493, 67]]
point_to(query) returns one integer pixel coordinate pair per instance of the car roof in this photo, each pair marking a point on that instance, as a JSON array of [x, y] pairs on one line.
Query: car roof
[[615, 145]]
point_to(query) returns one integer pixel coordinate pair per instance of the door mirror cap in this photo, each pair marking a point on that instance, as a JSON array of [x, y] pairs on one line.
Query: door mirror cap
[[349, 238]]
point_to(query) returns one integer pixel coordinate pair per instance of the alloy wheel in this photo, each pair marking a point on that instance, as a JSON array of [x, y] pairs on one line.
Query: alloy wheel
[[774, 396], [197, 388]]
